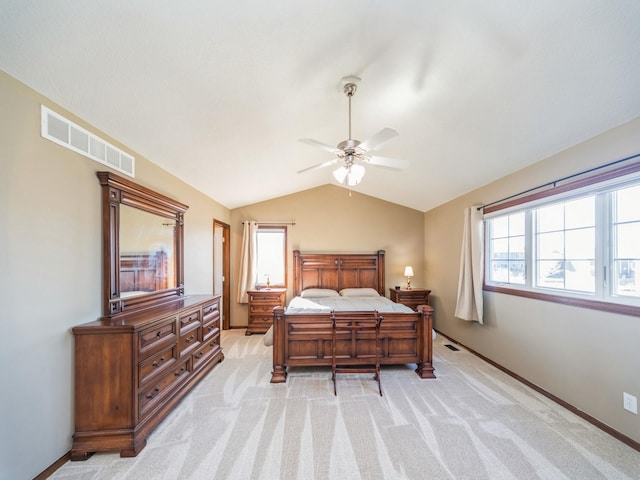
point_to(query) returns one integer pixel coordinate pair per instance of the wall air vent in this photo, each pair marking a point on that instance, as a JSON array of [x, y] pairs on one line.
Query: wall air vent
[[64, 132]]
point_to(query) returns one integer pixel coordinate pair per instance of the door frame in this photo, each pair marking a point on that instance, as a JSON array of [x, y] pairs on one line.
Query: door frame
[[226, 270]]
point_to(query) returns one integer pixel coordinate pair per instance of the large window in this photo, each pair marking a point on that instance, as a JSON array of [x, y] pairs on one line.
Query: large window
[[582, 245], [271, 248]]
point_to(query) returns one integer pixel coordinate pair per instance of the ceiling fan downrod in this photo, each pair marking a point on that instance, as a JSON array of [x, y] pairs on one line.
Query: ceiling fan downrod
[[350, 90]]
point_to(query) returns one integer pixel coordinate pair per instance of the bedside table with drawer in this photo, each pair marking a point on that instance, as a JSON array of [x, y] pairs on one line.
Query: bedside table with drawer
[[261, 304], [410, 297]]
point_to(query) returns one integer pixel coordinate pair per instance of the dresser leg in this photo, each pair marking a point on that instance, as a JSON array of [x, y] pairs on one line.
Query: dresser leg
[[80, 456], [132, 452]]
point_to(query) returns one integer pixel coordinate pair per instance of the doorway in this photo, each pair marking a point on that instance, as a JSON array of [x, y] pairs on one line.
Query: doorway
[[221, 268]]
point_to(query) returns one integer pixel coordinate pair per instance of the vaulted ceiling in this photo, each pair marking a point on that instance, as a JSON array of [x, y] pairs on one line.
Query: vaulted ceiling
[[219, 93]]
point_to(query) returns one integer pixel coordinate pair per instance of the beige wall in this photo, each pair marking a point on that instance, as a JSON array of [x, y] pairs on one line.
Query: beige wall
[[585, 357], [50, 250], [50, 264], [327, 219]]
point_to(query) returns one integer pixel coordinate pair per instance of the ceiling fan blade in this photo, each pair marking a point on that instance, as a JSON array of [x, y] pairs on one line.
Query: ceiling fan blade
[[315, 143], [379, 139], [328, 163], [387, 162]]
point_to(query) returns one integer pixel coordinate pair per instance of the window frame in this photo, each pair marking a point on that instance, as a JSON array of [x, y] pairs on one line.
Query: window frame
[[598, 185]]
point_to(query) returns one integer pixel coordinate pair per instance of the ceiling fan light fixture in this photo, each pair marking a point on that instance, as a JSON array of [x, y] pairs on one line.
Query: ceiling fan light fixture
[[340, 173], [355, 175], [352, 152]]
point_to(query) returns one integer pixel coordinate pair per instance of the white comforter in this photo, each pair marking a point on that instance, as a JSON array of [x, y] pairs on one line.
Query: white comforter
[[343, 304]]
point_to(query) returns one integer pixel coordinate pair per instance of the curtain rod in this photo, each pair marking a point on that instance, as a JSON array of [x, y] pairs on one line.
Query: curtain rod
[[291, 222], [553, 183]]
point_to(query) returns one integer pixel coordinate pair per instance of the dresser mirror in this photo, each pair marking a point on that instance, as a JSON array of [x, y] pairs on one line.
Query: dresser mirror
[[143, 246]]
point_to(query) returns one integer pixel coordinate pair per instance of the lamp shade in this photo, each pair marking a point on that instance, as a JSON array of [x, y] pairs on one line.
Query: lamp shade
[[408, 271], [356, 172], [340, 174]]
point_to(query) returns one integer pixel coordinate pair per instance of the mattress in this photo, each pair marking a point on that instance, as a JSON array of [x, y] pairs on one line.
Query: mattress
[[344, 304]]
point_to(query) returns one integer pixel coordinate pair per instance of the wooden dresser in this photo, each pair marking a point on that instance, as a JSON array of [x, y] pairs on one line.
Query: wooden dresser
[[261, 304], [131, 370], [411, 297]]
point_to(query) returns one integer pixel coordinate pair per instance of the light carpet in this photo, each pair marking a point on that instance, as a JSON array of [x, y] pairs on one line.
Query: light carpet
[[472, 422]]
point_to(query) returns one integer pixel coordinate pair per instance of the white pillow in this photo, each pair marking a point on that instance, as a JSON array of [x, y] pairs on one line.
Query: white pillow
[[359, 292], [318, 292]]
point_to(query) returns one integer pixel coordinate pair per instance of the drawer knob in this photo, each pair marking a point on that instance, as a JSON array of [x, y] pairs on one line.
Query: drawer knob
[[159, 334], [190, 339], [179, 372], [158, 362], [149, 396]]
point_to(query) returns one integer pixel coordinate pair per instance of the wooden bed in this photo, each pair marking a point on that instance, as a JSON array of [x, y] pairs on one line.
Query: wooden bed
[[304, 339]]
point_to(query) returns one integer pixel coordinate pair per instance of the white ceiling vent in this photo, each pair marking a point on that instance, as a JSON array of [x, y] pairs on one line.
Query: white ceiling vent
[[64, 132]]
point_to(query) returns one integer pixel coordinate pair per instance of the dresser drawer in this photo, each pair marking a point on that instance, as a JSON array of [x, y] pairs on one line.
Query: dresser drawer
[[156, 391], [204, 352], [210, 313], [156, 364], [188, 319], [189, 338], [210, 331], [153, 339]]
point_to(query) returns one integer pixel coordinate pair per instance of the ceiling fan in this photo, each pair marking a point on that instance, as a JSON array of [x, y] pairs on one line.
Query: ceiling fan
[[352, 153]]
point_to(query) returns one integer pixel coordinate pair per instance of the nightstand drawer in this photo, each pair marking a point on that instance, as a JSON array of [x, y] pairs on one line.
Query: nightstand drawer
[[410, 297]]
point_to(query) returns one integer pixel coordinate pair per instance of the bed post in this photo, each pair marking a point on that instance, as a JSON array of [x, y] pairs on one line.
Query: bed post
[[425, 343], [279, 372], [381, 289]]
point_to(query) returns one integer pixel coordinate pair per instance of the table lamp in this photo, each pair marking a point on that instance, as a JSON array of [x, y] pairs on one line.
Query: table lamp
[[408, 272]]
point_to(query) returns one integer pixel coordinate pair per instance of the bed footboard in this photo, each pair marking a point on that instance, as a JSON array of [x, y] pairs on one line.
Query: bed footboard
[[305, 340]]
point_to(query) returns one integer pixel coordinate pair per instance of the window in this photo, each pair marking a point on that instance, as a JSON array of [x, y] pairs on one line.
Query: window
[[271, 248], [626, 241], [581, 247], [506, 246]]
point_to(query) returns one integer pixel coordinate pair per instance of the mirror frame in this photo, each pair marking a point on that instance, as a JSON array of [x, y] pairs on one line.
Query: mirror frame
[[118, 191]]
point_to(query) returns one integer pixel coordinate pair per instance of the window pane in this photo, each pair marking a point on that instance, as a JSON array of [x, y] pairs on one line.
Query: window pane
[[551, 274], [579, 275], [499, 271], [550, 246], [270, 252], [500, 227], [551, 218], [566, 248], [516, 224], [627, 201], [625, 278], [580, 244], [516, 248], [628, 240], [507, 248], [517, 272], [579, 213], [500, 249]]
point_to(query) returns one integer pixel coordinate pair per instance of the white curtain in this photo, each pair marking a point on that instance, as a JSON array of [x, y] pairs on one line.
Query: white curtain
[[469, 305], [247, 277]]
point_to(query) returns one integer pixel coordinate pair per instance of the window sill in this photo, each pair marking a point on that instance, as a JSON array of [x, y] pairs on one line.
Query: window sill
[[575, 302]]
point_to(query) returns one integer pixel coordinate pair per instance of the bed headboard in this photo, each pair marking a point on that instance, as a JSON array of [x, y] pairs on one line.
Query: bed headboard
[[143, 272], [338, 271]]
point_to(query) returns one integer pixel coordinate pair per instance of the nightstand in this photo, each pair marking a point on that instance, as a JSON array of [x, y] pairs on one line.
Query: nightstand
[[410, 297], [261, 303]]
